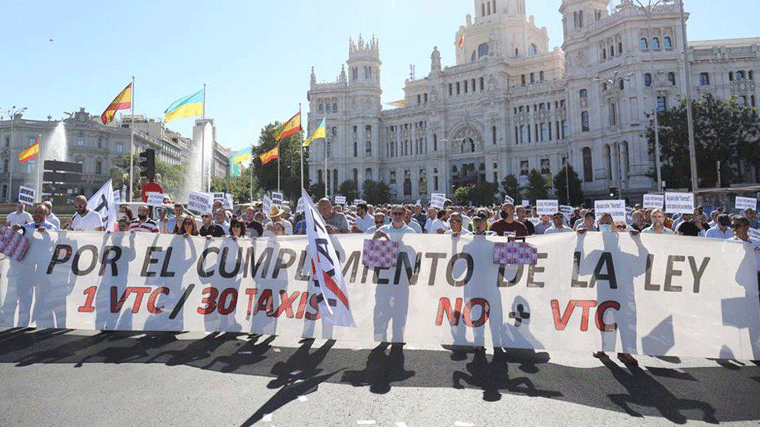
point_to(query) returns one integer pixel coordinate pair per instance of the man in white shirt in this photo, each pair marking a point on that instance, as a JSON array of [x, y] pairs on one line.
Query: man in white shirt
[[84, 219], [456, 225], [411, 222], [722, 229], [558, 225], [51, 218], [363, 220], [658, 224], [19, 217], [438, 225]]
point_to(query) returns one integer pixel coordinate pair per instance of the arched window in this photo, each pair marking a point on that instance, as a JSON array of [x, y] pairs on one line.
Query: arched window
[[643, 43], [656, 43], [356, 150], [620, 48], [482, 50], [672, 78], [668, 43], [368, 174], [604, 54], [588, 171], [368, 149], [731, 76], [704, 79], [335, 107], [533, 50], [583, 94], [321, 108], [749, 75], [584, 122]]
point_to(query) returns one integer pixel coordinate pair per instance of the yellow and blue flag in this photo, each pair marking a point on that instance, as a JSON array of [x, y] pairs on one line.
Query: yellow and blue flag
[[319, 132], [185, 107], [241, 159]]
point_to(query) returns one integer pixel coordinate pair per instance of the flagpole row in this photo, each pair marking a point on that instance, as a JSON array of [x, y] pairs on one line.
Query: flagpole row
[[203, 143], [38, 196], [132, 143]]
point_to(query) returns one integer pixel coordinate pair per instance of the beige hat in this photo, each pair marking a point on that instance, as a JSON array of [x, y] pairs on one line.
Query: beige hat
[[275, 211]]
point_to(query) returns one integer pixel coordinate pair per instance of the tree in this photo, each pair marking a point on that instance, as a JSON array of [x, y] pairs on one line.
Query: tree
[[238, 186], [290, 163], [376, 192], [723, 131], [536, 188], [510, 187], [349, 189], [484, 194], [172, 177], [560, 185]]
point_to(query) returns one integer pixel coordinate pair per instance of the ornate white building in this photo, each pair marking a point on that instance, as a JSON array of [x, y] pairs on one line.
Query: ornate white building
[[511, 105]]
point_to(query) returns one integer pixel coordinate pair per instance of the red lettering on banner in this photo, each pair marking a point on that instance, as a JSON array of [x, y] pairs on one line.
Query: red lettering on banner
[[223, 307], [116, 306], [484, 312], [561, 323], [603, 307], [444, 307], [314, 303], [152, 300], [586, 307], [302, 305], [87, 307], [251, 292], [209, 301], [140, 291], [265, 302], [287, 304]]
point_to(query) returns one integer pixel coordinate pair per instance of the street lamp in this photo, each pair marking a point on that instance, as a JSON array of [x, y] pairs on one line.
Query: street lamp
[[648, 9], [689, 114], [613, 84], [13, 113]]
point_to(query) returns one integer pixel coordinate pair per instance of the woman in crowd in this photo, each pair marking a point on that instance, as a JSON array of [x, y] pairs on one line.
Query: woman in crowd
[[187, 227], [237, 229]]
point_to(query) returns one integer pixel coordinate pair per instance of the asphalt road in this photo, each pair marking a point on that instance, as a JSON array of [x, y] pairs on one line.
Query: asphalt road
[[59, 377]]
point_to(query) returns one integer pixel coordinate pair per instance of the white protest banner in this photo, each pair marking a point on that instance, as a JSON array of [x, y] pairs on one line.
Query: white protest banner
[[633, 303], [155, 199], [654, 201], [340, 200], [277, 199], [26, 195], [325, 265], [679, 203], [229, 201], [547, 207], [743, 203], [509, 200], [616, 208], [103, 203], [526, 202], [566, 210], [437, 200], [199, 202]]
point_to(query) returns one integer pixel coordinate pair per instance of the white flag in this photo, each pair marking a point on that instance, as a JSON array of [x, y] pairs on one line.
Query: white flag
[[104, 204], [325, 268]]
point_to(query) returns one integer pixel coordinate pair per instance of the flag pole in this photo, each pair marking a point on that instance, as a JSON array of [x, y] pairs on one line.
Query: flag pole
[[325, 141], [38, 196], [132, 143], [203, 142], [301, 143], [279, 160]]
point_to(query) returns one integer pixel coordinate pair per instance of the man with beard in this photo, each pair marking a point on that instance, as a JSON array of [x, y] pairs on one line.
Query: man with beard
[[255, 228], [687, 227], [658, 223], [84, 219], [419, 216], [39, 221], [507, 224], [638, 221], [142, 223], [559, 224]]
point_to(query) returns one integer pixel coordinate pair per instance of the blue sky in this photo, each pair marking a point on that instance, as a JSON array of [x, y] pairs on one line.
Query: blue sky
[[255, 56]]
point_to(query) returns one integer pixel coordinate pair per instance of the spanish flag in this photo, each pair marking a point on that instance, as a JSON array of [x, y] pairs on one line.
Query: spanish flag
[[185, 107], [123, 101], [270, 155], [460, 43], [30, 153], [319, 132], [291, 127]]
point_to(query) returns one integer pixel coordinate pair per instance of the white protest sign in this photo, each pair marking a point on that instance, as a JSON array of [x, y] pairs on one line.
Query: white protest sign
[[340, 200], [653, 201], [616, 208], [299, 206], [509, 200], [547, 207], [199, 202], [218, 196], [116, 197], [437, 200], [526, 202], [229, 201], [103, 203], [679, 203], [155, 199], [266, 204], [26, 195], [566, 210], [357, 202], [743, 203], [277, 199]]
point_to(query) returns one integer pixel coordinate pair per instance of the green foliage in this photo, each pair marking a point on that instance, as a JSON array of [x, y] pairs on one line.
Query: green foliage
[[536, 188], [376, 192], [238, 186], [560, 185], [290, 163], [171, 176], [510, 187], [317, 191], [484, 194], [723, 131], [349, 189]]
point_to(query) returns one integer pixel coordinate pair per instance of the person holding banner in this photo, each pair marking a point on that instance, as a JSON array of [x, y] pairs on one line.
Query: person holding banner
[[507, 224], [187, 227], [51, 216], [171, 223], [658, 223], [142, 223], [237, 229], [558, 225], [39, 222], [209, 229], [84, 219], [336, 222], [480, 224], [397, 227], [253, 227], [19, 217], [722, 230], [522, 216], [456, 222]]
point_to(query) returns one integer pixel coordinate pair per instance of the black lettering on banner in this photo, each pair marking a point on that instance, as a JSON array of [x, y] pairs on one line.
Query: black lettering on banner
[[202, 260], [648, 285], [56, 259], [103, 206], [150, 260], [698, 272], [75, 262], [501, 283], [283, 265], [354, 260], [610, 277], [301, 262], [376, 277], [266, 259], [403, 263], [223, 262], [167, 261], [434, 256], [450, 269], [670, 272], [536, 269], [574, 282], [106, 259], [181, 302]]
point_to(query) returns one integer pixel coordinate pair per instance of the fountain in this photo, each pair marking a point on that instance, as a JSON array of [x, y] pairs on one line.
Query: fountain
[[194, 181], [56, 146]]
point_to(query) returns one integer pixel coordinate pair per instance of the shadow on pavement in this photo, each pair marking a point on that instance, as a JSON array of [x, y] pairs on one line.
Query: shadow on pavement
[[714, 394]]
